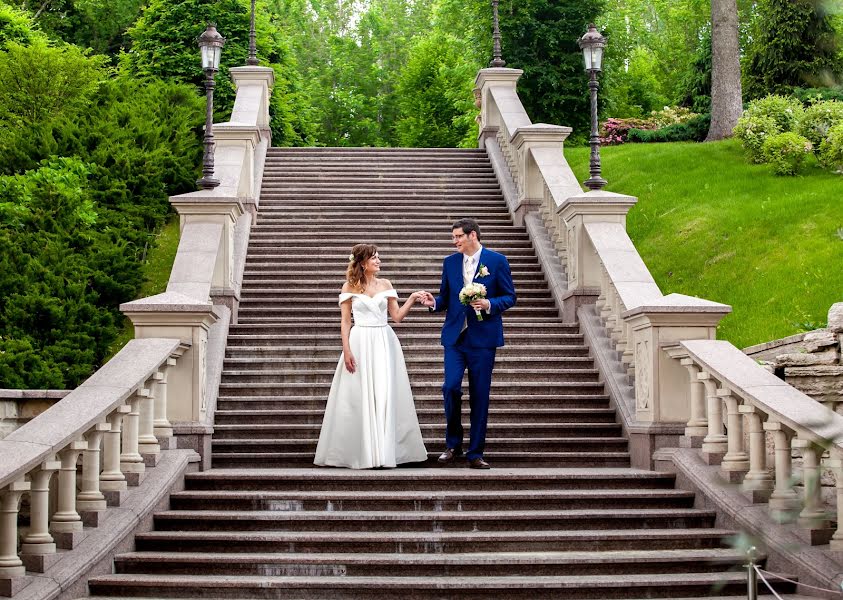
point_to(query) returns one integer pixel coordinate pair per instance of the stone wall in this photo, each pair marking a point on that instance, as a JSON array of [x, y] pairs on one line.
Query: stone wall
[[814, 365], [19, 406]]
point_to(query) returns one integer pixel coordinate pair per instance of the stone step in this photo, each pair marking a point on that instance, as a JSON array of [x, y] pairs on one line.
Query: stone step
[[422, 400], [369, 521], [280, 331], [405, 219], [426, 542], [316, 300], [321, 388], [432, 479], [319, 177], [332, 353], [410, 565], [572, 435], [418, 376], [566, 416], [515, 587], [412, 500], [413, 362], [330, 314], [499, 459], [254, 289], [397, 255], [450, 209], [377, 186], [316, 260]]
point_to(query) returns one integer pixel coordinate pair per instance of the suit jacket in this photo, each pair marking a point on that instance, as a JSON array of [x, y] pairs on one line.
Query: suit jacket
[[500, 292]]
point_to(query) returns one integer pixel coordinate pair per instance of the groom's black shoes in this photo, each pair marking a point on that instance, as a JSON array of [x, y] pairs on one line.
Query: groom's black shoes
[[449, 455], [478, 463]]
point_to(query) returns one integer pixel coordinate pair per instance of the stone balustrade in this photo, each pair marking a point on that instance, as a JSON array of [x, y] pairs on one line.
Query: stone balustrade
[[116, 423], [724, 381]]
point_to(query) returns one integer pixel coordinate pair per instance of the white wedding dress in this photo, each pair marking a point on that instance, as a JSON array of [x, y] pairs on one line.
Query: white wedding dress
[[370, 419]]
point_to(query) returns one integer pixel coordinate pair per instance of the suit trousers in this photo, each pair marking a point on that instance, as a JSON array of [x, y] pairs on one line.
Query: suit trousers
[[480, 362]]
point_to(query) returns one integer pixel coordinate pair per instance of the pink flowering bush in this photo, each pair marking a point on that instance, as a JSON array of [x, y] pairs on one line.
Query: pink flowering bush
[[615, 130]]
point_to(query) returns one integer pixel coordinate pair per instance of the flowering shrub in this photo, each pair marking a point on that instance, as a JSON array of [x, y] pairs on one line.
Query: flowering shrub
[[671, 115], [785, 111], [753, 131], [831, 149], [818, 118], [786, 152], [615, 131]]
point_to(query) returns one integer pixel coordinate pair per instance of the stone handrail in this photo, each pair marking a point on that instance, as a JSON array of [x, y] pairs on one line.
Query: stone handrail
[[720, 377], [117, 421], [203, 292]]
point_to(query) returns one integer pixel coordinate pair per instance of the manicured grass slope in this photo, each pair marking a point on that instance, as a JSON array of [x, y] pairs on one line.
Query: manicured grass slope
[[709, 224]]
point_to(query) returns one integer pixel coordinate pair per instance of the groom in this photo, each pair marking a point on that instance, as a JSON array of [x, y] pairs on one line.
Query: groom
[[469, 342]]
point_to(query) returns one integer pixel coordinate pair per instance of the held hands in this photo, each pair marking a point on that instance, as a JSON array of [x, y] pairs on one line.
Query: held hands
[[424, 298]]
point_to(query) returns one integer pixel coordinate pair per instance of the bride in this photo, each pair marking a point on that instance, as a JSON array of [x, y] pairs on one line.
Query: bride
[[370, 419]]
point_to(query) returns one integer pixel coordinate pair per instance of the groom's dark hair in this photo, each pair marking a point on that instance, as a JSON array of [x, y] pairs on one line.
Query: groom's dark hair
[[467, 225]]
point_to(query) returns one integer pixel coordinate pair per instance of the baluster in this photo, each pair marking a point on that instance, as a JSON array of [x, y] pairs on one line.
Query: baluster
[[38, 545], [758, 482], [783, 501], [162, 429], [697, 425], [836, 464], [813, 516], [604, 284], [11, 566], [714, 444], [131, 462], [736, 461], [66, 523], [147, 442], [617, 330], [90, 498], [112, 478]]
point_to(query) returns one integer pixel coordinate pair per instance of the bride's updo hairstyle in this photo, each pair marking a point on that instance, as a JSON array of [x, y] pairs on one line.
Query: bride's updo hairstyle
[[355, 273]]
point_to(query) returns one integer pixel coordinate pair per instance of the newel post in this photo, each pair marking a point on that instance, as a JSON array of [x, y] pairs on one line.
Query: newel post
[[584, 269]]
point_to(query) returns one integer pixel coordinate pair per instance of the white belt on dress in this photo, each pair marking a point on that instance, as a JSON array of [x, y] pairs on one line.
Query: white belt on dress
[[382, 325]]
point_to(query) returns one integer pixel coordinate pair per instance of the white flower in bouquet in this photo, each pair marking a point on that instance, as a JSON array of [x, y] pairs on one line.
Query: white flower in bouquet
[[472, 292]]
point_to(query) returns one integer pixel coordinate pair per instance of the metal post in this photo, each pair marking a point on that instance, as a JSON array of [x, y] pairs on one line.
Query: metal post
[[253, 50], [751, 574], [208, 181], [595, 182], [496, 61]]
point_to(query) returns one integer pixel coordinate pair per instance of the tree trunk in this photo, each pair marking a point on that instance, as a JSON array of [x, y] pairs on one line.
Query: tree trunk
[[725, 69]]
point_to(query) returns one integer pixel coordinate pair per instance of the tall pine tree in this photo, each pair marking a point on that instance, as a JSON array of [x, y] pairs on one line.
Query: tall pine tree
[[795, 46]]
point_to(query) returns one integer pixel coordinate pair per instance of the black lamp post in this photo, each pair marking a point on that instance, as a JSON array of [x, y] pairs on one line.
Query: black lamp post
[[496, 61], [253, 50], [210, 43], [592, 44]]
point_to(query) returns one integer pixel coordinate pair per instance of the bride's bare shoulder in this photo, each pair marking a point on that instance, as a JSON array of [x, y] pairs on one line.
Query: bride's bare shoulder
[[384, 284]]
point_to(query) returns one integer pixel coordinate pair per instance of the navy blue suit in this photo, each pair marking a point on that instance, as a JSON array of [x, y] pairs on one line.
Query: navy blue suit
[[474, 348]]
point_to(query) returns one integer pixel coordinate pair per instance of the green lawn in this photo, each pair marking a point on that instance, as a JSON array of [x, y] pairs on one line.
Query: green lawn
[[156, 274], [709, 224]]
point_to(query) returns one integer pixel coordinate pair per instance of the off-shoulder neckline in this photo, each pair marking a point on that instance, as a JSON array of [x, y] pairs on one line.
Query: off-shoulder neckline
[[367, 295]]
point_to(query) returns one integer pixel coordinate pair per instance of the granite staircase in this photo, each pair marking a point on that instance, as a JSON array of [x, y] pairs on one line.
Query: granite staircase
[[560, 515]]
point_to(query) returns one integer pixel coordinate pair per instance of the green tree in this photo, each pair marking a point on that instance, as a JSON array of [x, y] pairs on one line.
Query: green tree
[[16, 26], [795, 45], [540, 37]]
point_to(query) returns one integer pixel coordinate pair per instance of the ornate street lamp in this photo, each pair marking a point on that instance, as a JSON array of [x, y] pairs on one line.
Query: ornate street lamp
[[210, 43], [496, 61], [592, 44], [253, 50]]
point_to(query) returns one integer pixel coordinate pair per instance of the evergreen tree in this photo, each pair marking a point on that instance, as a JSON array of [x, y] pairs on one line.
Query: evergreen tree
[[794, 46], [540, 37]]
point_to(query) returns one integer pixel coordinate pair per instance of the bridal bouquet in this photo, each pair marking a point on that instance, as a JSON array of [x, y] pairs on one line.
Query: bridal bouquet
[[472, 292]]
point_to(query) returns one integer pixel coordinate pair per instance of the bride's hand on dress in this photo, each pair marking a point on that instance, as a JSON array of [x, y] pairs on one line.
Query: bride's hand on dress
[[350, 363]]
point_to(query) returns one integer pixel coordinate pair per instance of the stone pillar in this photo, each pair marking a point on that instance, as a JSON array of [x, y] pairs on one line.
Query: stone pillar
[[505, 80], [697, 425], [813, 516], [736, 461], [836, 465], [12, 570], [715, 443], [66, 523], [131, 462], [38, 548], [783, 501], [147, 442], [757, 483], [661, 389], [584, 268], [162, 428], [90, 498], [536, 146], [112, 478]]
